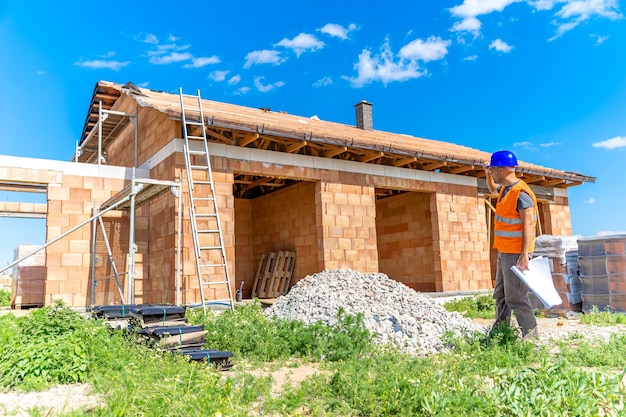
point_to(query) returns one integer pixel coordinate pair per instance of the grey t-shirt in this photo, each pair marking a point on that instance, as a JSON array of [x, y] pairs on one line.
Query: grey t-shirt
[[524, 200]]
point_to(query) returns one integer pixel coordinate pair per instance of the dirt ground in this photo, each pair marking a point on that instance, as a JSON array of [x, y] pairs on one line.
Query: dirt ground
[[75, 397]]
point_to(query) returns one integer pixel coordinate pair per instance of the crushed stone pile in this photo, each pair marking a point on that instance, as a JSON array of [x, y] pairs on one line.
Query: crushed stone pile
[[394, 313]]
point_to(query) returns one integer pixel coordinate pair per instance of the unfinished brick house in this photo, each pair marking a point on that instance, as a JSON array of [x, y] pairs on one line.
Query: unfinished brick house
[[338, 196]]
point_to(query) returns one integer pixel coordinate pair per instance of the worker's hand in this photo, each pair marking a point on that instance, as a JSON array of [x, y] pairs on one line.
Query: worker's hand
[[522, 262]]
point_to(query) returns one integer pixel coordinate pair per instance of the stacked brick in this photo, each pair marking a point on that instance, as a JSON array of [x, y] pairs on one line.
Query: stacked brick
[[602, 261], [29, 278]]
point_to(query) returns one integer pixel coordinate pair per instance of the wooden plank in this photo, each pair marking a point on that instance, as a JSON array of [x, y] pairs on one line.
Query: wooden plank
[[290, 261], [267, 273], [276, 276], [259, 274]]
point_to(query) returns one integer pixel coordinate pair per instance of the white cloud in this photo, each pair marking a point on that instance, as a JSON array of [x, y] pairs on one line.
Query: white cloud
[[170, 58], [585, 9], [613, 143], [599, 39], [384, 68], [149, 38], [469, 9], [574, 12], [143, 85], [323, 82], [203, 62], [169, 53], [500, 46], [102, 64], [265, 56], [41, 72], [542, 4], [433, 49], [304, 42], [242, 91], [234, 79], [471, 58], [218, 76], [337, 31], [550, 144], [469, 24], [264, 88], [473, 8], [529, 146], [591, 200]]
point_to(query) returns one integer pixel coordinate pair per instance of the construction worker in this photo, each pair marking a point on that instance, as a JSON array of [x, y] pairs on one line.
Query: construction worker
[[514, 239]]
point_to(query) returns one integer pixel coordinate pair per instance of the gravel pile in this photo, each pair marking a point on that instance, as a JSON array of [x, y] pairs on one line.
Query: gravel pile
[[393, 312]]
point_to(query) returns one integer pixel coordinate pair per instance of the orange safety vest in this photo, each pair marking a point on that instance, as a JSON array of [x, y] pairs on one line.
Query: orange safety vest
[[508, 224]]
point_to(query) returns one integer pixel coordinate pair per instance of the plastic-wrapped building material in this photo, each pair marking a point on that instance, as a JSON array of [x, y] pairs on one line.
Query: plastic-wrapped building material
[[29, 277], [561, 251], [602, 261]]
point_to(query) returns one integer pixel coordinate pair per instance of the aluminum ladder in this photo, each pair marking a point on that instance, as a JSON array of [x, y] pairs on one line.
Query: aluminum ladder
[[208, 240]]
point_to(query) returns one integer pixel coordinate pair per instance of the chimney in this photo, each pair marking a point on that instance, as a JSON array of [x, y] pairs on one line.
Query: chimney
[[364, 115]]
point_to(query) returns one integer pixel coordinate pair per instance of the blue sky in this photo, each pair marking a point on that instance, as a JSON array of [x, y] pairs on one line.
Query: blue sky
[[545, 79]]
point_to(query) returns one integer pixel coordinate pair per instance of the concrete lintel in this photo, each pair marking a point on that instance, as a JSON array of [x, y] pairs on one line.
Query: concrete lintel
[[306, 161], [70, 168]]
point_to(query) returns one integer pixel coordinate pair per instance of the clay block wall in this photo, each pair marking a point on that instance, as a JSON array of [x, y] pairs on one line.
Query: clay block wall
[[223, 183], [346, 223], [460, 239], [286, 220], [405, 239], [556, 219], [154, 132], [69, 260], [244, 245], [116, 226]]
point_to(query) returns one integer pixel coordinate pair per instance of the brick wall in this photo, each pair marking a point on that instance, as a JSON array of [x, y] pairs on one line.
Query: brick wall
[[286, 220], [244, 245], [460, 239], [405, 239], [346, 227], [556, 219], [155, 130], [69, 260]]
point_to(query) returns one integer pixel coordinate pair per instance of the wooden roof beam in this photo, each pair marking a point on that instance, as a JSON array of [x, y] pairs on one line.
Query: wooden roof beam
[[370, 157], [296, 146], [431, 166], [254, 184], [217, 135], [532, 179], [553, 182], [334, 152], [462, 169], [245, 141], [404, 161]]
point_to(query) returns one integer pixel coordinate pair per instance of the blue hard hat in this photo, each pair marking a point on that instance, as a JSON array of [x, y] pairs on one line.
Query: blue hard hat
[[503, 159]]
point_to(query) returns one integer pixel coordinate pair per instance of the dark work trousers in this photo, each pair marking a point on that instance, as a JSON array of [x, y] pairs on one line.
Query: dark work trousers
[[511, 294]]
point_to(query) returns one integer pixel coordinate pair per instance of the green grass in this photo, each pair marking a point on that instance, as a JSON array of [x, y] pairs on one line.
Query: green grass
[[500, 376], [477, 306], [602, 318], [5, 298]]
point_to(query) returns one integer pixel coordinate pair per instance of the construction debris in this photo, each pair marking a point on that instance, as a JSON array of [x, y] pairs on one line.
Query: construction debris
[[394, 313]]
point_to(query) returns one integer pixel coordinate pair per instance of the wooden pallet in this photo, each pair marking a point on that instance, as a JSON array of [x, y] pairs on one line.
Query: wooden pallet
[[274, 274]]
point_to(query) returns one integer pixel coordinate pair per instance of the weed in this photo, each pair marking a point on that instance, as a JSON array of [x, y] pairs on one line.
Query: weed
[[478, 306], [5, 298], [602, 318]]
